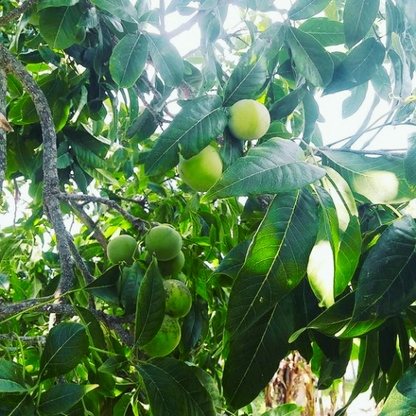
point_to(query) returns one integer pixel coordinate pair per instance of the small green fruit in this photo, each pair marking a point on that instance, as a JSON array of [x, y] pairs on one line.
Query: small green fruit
[[201, 171], [166, 339], [121, 249], [167, 268], [164, 242], [178, 301], [249, 120]]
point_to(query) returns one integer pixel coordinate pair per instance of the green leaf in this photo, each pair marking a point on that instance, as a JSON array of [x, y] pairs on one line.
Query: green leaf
[[387, 281], [326, 31], [198, 123], [255, 355], [402, 399], [234, 260], [4, 282], [17, 405], [410, 164], [352, 104], [128, 59], [380, 180], [64, 161], [357, 67], [288, 409], [311, 59], [304, 9], [321, 266], [11, 377], [166, 59], [62, 397], [122, 9], [272, 167], [130, 283], [55, 3], [105, 286], [93, 327], [276, 260], [59, 26], [150, 307], [66, 345], [174, 389], [249, 76], [380, 81], [287, 104], [113, 364], [359, 16]]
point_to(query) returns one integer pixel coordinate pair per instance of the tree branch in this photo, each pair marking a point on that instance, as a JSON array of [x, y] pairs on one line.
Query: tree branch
[[138, 223], [382, 152], [28, 340], [3, 154], [51, 180], [15, 13]]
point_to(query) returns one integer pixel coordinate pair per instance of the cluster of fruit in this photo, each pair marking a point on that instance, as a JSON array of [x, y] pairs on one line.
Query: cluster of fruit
[[165, 243], [249, 120]]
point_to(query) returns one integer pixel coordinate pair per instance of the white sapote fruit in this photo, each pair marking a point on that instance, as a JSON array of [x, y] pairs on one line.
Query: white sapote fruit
[[249, 120], [178, 300], [164, 242], [201, 171], [121, 249]]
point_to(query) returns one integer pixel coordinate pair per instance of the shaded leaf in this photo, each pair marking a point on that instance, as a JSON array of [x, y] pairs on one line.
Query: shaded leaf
[[174, 389], [128, 59], [11, 377], [272, 167], [303, 9], [359, 16], [234, 260], [106, 286], [17, 405], [150, 308], [66, 345], [352, 104], [276, 260], [198, 123], [326, 31], [410, 164], [287, 104], [311, 59]]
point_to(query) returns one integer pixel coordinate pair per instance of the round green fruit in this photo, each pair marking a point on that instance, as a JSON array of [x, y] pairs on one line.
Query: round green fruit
[[166, 339], [201, 171], [249, 120], [173, 266], [121, 249], [178, 301], [164, 242]]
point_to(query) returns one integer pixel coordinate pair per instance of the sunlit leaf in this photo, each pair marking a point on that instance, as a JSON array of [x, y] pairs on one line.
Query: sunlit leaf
[[120, 8], [303, 9], [326, 31]]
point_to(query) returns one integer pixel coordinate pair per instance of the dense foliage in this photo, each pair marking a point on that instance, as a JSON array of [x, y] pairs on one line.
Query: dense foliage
[[304, 243]]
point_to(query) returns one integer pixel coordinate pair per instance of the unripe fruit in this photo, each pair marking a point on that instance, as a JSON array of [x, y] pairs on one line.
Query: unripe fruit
[[164, 242], [166, 339], [178, 300], [173, 266], [201, 171], [249, 120], [121, 249]]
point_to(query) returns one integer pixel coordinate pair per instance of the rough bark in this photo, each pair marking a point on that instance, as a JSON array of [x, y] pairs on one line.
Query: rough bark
[[15, 13], [3, 158]]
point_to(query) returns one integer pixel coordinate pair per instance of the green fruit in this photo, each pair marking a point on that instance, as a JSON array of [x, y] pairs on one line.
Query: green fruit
[[121, 249], [173, 266], [178, 301], [201, 171], [164, 242], [166, 339], [249, 120]]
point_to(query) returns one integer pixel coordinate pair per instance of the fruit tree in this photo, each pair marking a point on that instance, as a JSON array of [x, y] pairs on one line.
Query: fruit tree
[[157, 150]]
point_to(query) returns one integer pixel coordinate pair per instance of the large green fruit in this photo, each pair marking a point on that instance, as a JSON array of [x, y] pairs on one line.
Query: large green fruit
[[121, 249], [178, 300], [173, 266], [249, 120], [201, 171], [164, 242], [166, 339]]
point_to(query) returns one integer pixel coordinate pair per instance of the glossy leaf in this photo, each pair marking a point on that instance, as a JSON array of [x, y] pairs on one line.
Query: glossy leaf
[[311, 59], [106, 286], [122, 9], [174, 389], [255, 355], [57, 26], [234, 260], [198, 123], [323, 258], [11, 378], [304, 9], [402, 400], [150, 307], [129, 288], [359, 16], [60, 398], [326, 31], [55, 3], [375, 179], [387, 280], [128, 59], [276, 260], [248, 78], [66, 345], [272, 167], [166, 59]]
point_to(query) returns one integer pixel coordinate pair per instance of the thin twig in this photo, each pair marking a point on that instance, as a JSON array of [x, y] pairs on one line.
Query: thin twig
[[383, 152], [15, 13], [28, 340], [186, 26]]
